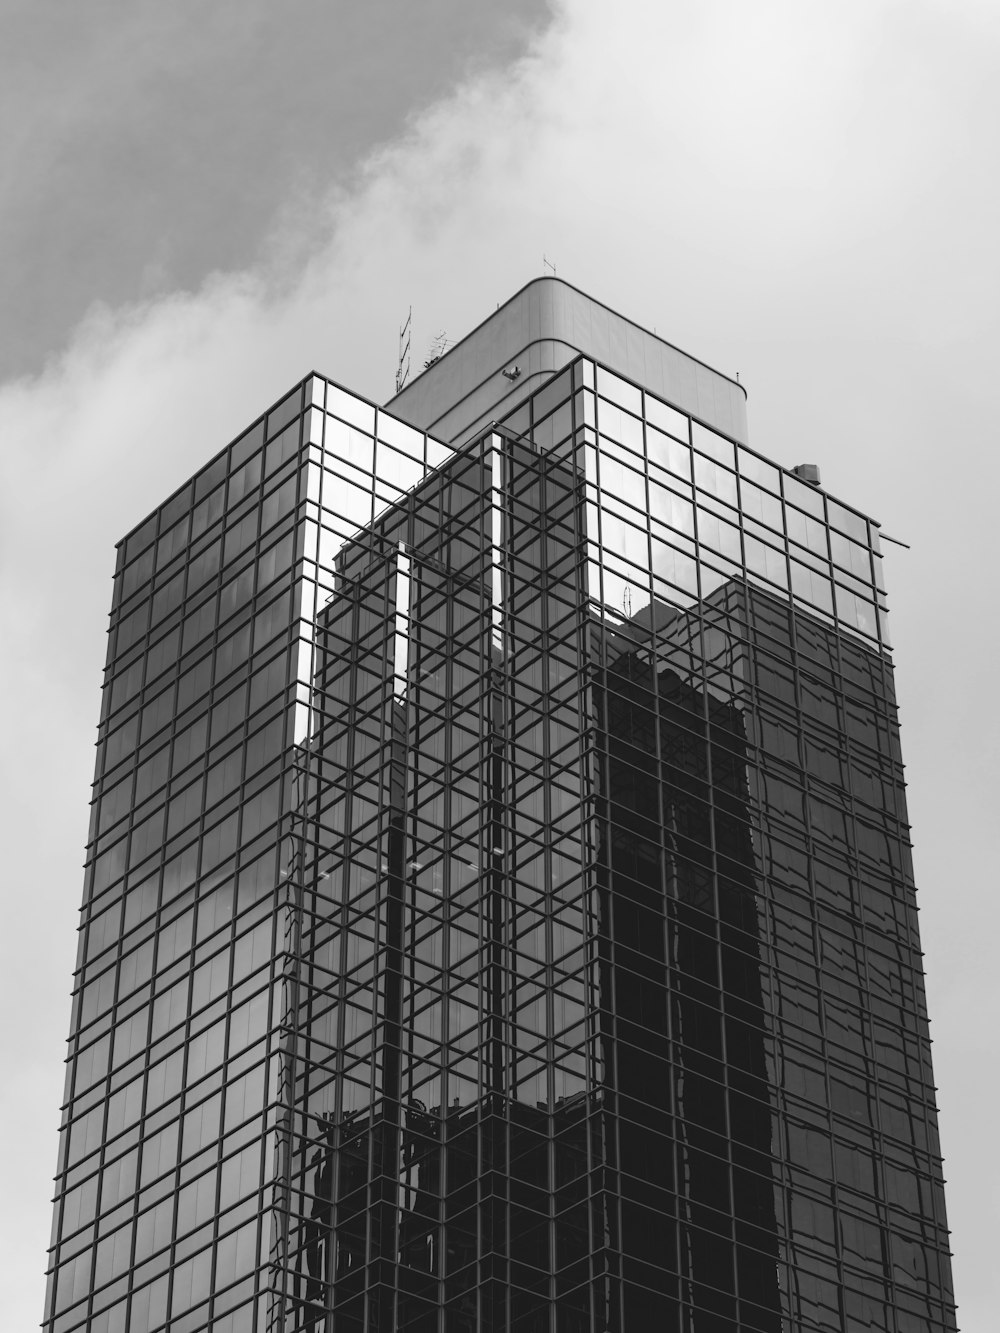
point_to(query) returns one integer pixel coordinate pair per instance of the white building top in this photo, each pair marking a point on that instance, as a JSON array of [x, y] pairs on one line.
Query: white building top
[[539, 330]]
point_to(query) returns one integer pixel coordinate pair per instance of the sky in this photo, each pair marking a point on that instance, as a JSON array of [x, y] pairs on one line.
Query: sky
[[200, 203]]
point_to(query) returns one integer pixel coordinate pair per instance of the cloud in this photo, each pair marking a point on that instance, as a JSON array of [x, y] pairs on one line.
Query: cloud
[[146, 144], [798, 192], [716, 170]]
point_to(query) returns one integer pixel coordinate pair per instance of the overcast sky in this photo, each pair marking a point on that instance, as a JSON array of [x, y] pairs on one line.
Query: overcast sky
[[201, 202]]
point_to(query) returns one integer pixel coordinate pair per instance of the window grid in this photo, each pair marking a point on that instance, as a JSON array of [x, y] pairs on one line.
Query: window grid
[[565, 975]]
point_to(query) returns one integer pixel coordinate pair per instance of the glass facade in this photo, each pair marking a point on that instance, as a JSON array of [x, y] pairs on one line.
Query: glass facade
[[499, 912]]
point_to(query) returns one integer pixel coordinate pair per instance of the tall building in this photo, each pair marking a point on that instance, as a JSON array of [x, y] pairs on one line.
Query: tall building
[[499, 911]]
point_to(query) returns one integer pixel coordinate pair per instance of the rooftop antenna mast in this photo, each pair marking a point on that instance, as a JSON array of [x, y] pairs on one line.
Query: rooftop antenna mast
[[547, 263], [403, 365]]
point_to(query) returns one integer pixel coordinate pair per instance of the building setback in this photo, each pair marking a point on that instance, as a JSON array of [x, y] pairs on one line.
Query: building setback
[[498, 911]]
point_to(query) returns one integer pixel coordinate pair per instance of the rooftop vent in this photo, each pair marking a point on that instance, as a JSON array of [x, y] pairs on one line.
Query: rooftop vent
[[807, 472]]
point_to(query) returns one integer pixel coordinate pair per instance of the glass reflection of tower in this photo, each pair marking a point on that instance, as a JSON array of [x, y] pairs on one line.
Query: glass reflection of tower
[[513, 905]]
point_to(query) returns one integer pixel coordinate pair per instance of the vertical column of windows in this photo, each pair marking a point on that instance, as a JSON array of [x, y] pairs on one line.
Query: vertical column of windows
[[343, 1206], [184, 1057]]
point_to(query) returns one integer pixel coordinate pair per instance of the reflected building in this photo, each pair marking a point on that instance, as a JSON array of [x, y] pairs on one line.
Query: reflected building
[[499, 912]]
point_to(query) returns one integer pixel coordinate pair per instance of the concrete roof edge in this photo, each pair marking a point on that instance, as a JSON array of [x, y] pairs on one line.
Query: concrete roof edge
[[546, 278]]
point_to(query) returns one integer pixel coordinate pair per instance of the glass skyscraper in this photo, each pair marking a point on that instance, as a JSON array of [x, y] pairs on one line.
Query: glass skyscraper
[[498, 909]]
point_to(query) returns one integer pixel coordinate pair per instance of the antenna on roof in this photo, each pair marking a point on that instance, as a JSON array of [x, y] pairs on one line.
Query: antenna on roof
[[547, 263], [403, 365], [438, 347]]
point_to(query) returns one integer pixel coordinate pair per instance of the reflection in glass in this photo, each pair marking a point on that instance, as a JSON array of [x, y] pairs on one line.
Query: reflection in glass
[[507, 919]]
